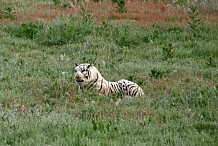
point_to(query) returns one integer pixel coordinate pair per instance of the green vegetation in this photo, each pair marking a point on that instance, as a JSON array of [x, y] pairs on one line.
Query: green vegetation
[[194, 20], [168, 51], [38, 100], [121, 6], [7, 12]]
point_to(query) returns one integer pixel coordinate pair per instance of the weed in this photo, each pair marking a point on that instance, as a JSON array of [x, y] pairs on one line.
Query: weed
[[6, 12], [106, 25], [210, 61], [168, 51], [97, 0], [131, 78], [56, 2], [156, 32], [26, 30], [114, 1], [61, 3], [56, 89], [100, 126], [87, 113], [127, 38], [64, 33], [206, 126]]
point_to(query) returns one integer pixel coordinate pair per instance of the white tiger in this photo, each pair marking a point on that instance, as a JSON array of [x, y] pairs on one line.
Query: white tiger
[[87, 77]]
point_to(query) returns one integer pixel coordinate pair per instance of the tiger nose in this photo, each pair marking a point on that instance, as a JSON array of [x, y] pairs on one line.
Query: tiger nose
[[78, 75]]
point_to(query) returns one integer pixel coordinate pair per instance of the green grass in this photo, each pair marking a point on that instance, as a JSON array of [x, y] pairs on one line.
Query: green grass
[[39, 104]]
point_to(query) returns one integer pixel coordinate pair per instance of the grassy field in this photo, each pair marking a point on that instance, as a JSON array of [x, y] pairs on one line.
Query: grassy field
[[176, 66]]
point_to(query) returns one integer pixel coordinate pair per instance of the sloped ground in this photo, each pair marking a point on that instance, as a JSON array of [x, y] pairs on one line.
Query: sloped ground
[[138, 13]]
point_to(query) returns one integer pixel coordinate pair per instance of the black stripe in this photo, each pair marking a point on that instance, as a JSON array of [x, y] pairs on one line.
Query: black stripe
[[88, 73], [135, 92], [131, 89], [115, 87], [131, 86], [110, 87], [93, 82], [119, 89], [120, 85], [101, 85], [124, 87]]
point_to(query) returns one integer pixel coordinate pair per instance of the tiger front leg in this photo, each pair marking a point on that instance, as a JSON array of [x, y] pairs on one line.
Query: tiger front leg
[[80, 90]]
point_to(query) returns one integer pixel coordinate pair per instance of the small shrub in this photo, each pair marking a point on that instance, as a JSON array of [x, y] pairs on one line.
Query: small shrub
[[86, 16], [121, 5], [158, 74], [194, 21]]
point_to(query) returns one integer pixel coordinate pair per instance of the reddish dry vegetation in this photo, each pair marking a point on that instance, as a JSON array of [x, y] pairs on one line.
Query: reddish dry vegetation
[[139, 13]]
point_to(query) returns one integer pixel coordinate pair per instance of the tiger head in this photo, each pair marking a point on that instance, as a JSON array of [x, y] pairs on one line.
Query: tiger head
[[84, 73]]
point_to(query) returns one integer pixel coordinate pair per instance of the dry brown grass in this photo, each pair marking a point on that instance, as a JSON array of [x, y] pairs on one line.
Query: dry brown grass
[[139, 13]]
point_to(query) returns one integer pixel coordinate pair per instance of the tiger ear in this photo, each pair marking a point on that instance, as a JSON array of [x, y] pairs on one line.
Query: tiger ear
[[76, 64], [90, 65]]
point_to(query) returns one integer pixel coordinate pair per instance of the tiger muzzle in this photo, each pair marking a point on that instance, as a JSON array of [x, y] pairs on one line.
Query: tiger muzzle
[[78, 77]]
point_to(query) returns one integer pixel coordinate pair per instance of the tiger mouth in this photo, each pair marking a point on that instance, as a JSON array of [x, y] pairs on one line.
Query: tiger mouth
[[79, 81]]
